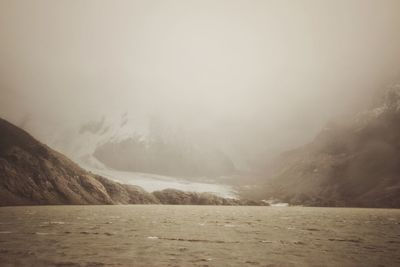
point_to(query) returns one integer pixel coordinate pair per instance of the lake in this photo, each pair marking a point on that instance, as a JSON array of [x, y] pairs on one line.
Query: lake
[[157, 235]]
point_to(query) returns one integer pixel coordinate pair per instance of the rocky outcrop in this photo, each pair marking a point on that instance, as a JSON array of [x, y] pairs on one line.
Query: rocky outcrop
[[350, 164], [126, 194], [32, 173]]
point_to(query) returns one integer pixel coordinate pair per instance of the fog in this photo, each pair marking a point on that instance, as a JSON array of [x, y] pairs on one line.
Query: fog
[[252, 77]]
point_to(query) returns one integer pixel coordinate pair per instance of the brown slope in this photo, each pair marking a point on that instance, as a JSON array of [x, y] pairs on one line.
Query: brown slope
[[32, 173], [357, 164]]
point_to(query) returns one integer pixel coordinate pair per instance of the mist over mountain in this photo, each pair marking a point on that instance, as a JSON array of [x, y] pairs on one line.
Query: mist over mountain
[[195, 89], [31, 173], [119, 118], [351, 163], [245, 79], [164, 151], [156, 147]]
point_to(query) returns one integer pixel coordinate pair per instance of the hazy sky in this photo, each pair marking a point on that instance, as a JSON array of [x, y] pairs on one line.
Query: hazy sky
[[264, 75]]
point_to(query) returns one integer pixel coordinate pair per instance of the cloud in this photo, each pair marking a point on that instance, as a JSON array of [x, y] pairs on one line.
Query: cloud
[[260, 75]]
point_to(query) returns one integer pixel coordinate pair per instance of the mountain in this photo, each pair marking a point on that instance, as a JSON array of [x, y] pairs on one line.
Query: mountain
[[350, 164], [32, 173], [164, 158], [151, 145], [157, 148]]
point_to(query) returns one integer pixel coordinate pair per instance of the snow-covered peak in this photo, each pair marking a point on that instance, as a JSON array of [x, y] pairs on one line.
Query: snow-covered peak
[[81, 142]]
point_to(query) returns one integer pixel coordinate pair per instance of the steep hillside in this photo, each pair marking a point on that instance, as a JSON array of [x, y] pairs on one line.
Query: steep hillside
[[31, 173], [352, 164]]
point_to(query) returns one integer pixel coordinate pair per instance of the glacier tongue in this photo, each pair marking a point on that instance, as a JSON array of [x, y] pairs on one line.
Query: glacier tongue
[[154, 182]]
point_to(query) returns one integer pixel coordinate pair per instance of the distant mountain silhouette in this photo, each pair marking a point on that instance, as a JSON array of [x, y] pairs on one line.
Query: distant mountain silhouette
[[157, 147], [352, 164], [165, 158]]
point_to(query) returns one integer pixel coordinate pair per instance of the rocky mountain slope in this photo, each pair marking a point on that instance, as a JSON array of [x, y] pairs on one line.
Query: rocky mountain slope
[[351, 164], [32, 173]]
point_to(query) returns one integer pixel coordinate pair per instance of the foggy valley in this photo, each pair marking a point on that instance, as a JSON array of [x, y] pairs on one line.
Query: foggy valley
[[285, 115]]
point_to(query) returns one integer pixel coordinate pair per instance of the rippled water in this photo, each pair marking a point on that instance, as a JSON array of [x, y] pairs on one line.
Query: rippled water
[[156, 235]]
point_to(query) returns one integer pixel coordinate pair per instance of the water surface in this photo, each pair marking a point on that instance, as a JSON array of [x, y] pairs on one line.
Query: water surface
[[157, 235]]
